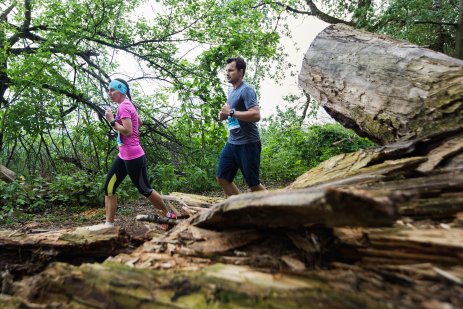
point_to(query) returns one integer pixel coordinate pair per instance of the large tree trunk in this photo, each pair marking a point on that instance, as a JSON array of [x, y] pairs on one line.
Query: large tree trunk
[[384, 89]]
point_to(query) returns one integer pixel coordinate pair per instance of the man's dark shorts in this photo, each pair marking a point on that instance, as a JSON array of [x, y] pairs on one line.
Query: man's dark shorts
[[244, 157]]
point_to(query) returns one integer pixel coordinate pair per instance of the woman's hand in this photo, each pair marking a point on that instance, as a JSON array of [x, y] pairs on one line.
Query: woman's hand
[[109, 115]]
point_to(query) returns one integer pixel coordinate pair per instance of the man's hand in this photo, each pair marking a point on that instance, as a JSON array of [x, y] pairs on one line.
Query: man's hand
[[224, 112]]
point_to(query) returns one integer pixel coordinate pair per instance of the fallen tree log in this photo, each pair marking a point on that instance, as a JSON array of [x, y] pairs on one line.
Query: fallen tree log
[[294, 209], [227, 286], [7, 174], [384, 89], [220, 286], [423, 177], [28, 252], [402, 246]]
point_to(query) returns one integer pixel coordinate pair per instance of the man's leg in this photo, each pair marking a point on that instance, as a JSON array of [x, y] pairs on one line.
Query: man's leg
[[227, 169], [249, 157], [259, 187], [229, 188]]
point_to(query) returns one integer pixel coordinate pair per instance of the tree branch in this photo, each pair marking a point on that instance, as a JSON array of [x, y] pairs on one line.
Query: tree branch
[[437, 23], [6, 12], [325, 17]]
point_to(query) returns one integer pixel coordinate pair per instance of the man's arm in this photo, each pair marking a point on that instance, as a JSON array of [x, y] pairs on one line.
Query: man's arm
[[251, 115]]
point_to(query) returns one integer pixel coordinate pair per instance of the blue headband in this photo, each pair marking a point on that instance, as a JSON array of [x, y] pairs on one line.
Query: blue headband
[[119, 86]]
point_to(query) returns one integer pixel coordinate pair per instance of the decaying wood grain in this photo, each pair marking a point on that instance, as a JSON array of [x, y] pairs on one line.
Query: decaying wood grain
[[402, 246], [446, 150], [7, 174], [227, 286], [371, 165], [26, 252], [298, 208], [195, 200], [189, 203], [384, 89], [219, 286]]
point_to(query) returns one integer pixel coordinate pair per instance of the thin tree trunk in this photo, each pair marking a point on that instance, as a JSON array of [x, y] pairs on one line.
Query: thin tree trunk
[[306, 107], [47, 150], [459, 33], [438, 44], [10, 156]]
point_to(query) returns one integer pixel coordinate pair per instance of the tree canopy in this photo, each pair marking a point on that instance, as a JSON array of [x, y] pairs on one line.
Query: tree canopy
[[436, 24], [57, 58]]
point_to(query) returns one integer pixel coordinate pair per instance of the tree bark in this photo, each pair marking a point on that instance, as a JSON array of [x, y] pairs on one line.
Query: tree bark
[[402, 246], [296, 209], [7, 174], [27, 251], [384, 89], [219, 286]]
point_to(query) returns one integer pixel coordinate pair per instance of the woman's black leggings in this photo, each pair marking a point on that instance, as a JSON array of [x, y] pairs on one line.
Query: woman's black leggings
[[136, 169]]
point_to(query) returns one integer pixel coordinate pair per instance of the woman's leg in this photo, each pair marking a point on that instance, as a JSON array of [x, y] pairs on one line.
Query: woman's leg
[[110, 203], [157, 202], [116, 174], [136, 169]]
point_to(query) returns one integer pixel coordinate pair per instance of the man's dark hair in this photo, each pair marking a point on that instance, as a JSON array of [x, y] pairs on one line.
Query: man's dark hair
[[240, 63]]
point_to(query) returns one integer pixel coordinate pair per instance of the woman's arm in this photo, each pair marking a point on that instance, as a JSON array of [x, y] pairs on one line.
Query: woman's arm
[[125, 128]]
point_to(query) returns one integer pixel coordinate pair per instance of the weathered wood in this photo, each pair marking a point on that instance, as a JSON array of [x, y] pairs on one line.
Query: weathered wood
[[402, 246], [341, 169], [433, 196], [298, 208], [445, 205], [7, 174], [193, 200], [446, 150], [226, 286], [382, 88], [27, 253], [220, 286]]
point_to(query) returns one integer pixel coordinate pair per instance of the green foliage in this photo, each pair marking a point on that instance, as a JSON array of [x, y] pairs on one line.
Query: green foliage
[[78, 189], [421, 22], [288, 150], [37, 194], [190, 178], [63, 56], [428, 23]]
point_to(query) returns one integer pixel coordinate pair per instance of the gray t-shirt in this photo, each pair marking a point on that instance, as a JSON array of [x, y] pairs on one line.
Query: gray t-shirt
[[241, 99]]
